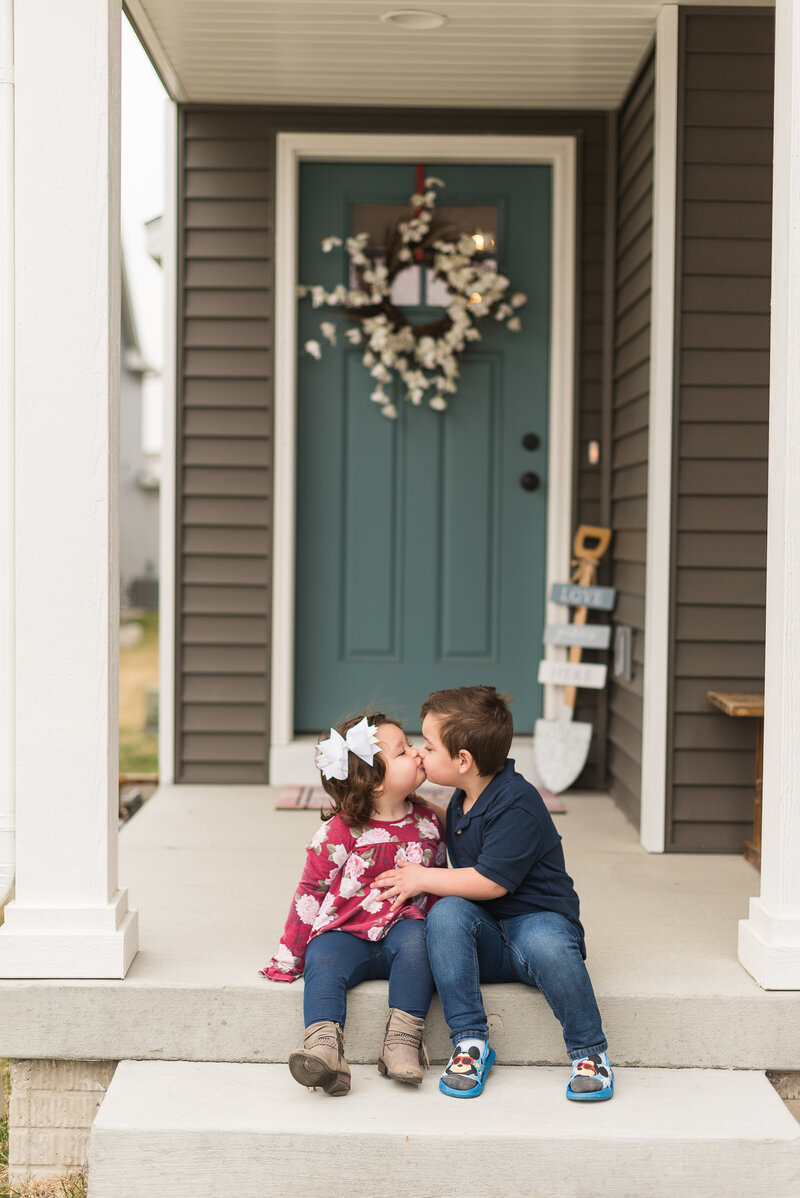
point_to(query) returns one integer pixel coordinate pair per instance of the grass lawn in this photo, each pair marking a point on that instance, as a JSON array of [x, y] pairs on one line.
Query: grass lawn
[[138, 671], [4, 1090]]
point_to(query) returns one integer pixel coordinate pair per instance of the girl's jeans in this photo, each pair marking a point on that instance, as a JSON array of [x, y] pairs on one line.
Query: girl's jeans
[[337, 961], [467, 946]]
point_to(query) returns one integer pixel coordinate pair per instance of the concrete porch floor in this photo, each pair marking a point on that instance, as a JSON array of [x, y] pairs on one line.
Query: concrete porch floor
[[212, 870]]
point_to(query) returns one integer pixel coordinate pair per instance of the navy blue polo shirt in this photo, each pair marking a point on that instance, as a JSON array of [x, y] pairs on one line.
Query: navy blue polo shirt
[[508, 835]]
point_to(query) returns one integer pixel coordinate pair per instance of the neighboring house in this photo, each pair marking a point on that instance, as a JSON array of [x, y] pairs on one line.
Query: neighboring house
[[138, 475], [303, 565]]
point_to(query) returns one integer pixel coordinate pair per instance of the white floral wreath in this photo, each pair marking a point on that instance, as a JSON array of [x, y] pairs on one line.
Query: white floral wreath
[[424, 356]]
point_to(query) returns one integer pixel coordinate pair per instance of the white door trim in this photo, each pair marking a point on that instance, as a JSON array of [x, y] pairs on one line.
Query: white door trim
[[659, 464], [290, 759]]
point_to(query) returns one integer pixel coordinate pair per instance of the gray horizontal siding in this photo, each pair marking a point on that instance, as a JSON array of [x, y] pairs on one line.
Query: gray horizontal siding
[[629, 425], [721, 395], [225, 452], [225, 448]]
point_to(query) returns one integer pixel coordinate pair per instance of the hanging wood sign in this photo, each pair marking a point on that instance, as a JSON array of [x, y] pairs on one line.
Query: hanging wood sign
[[588, 636], [561, 746], [566, 673], [573, 595]]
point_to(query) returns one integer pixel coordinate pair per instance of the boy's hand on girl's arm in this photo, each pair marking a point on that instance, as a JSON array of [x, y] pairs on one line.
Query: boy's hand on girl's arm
[[403, 882], [407, 880]]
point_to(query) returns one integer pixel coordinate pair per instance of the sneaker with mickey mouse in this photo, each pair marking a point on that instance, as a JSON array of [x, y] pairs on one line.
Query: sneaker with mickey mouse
[[592, 1079], [466, 1071]]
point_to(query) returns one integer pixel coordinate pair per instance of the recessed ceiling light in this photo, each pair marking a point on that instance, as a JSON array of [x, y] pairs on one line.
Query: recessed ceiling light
[[413, 18]]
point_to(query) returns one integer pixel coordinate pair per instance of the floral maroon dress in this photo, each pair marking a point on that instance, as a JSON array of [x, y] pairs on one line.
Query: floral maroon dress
[[336, 891]]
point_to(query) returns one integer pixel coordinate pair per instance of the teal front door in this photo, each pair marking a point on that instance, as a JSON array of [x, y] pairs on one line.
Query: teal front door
[[420, 560]]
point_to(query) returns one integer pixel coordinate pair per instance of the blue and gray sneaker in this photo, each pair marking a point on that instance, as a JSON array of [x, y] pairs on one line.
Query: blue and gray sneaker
[[467, 1070], [592, 1079]]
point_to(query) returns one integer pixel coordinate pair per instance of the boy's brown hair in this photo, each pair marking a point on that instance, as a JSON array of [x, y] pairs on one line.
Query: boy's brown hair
[[352, 796], [474, 718]]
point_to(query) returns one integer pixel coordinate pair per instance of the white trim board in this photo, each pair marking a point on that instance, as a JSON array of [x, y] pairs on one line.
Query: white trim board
[[659, 463], [168, 562], [293, 148]]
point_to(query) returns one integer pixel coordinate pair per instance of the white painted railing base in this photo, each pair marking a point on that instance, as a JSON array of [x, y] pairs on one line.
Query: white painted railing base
[[69, 942], [769, 947]]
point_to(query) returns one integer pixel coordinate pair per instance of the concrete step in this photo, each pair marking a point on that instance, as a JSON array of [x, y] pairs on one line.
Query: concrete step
[[212, 869], [263, 1022], [213, 1130]]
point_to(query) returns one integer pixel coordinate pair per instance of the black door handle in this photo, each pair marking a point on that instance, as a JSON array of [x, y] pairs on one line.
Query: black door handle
[[529, 481], [531, 441]]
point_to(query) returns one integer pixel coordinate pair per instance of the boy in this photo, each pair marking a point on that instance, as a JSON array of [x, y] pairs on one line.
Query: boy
[[507, 909]]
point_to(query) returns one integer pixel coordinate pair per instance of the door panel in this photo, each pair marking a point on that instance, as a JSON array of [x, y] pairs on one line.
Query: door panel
[[371, 559], [420, 558], [469, 515]]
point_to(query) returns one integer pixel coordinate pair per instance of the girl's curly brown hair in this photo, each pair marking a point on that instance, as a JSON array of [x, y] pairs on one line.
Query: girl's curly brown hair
[[352, 796]]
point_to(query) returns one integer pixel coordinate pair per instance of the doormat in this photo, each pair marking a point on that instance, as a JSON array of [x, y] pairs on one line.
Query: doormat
[[313, 798]]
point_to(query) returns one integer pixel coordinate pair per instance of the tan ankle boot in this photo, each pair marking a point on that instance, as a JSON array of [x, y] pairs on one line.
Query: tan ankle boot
[[404, 1055], [320, 1062]]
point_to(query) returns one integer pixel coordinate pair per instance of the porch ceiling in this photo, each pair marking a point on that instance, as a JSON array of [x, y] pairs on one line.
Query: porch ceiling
[[489, 54]]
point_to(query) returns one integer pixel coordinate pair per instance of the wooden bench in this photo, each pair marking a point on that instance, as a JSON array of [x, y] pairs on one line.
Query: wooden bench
[[748, 705]]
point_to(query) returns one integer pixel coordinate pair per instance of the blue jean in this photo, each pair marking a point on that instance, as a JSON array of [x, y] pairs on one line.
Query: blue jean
[[467, 946], [337, 961]]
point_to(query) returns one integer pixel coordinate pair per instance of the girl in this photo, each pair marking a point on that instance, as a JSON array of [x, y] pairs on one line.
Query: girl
[[340, 930]]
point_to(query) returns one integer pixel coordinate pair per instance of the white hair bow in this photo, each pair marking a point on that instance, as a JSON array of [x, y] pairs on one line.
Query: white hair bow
[[331, 755]]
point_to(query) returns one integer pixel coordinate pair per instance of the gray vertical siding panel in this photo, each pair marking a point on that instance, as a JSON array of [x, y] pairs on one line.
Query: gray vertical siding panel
[[225, 449], [225, 404], [629, 425], [721, 397]]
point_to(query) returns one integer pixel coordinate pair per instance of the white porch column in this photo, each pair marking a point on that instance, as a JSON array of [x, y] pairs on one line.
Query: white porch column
[[6, 449], [69, 918], [769, 941]]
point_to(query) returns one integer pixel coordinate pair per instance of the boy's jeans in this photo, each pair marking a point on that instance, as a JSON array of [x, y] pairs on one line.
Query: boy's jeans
[[467, 946]]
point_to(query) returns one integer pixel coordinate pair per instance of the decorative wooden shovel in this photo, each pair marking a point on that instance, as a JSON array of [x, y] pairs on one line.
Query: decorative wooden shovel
[[560, 747]]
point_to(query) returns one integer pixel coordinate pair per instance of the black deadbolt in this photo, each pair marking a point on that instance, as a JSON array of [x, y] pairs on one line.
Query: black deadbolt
[[529, 481], [531, 441]]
